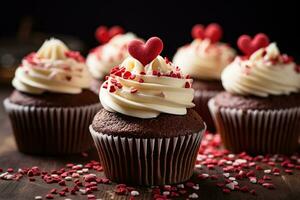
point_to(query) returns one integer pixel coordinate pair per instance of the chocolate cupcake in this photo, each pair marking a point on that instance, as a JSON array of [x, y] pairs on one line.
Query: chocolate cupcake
[[111, 52], [260, 111], [147, 134], [52, 106], [204, 59]]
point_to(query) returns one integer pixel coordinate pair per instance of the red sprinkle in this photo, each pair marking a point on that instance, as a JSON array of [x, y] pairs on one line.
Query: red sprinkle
[[187, 85]]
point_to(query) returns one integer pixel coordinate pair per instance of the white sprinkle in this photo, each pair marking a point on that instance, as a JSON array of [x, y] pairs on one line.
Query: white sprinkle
[[229, 162], [230, 186], [226, 175], [79, 165], [82, 191], [8, 176], [38, 197], [193, 196], [134, 193], [85, 170], [166, 193], [180, 186], [54, 175], [232, 178], [20, 170], [276, 173], [201, 157], [235, 182], [205, 175], [79, 172], [294, 157], [241, 172], [253, 180], [231, 156], [68, 199], [90, 196], [68, 178], [3, 174], [210, 156], [267, 171], [196, 187], [198, 166]]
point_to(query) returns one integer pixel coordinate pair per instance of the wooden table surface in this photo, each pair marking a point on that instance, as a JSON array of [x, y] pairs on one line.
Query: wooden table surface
[[287, 186]]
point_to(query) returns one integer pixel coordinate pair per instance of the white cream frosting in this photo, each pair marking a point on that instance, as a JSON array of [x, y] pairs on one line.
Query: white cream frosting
[[204, 60], [264, 73], [105, 57], [156, 94], [53, 68]]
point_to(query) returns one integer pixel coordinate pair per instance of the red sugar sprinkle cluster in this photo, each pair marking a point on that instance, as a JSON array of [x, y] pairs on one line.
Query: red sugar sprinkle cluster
[[228, 172], [75, 55], [30, 58]]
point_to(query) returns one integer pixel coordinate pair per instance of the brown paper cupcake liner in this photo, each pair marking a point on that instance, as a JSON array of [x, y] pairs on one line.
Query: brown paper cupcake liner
[[51, 131], [258, 131], [201, 106], [149, 161]]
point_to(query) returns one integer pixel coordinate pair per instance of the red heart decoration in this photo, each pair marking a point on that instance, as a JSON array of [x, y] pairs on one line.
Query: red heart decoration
[[213, 32], [249, 46], [145, 52], [103, 34], [198, 31]]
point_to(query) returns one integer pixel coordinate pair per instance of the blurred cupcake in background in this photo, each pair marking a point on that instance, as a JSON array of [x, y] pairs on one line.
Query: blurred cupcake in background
[[260, 111], [111, 52], [52, 105], [204, 59]]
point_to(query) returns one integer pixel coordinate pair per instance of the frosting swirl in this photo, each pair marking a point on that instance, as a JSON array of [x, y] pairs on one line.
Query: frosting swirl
[[103, 58], [54, 68], [265, 73], [146, 91], [203, 59]]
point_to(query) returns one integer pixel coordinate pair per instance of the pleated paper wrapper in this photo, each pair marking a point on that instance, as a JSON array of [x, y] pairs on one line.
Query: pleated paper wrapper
[[51, 131], [149, 161], [201, 101], [258, 131]]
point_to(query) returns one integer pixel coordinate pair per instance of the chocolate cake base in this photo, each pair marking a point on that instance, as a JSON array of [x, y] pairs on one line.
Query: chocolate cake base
[[49, 99], [204, 91], [52, 124], [147, 151], [257, 125]]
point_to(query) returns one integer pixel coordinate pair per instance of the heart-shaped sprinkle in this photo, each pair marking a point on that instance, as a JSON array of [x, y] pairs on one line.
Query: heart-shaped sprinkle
[[248, 45], [145, 52], [213, 32], [198, 31], [104, 34]]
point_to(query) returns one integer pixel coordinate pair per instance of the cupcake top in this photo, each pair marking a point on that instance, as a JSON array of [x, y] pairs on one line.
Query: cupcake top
[[145, 84], [111, 53], [205, 57], [263, 71], [53, 68]]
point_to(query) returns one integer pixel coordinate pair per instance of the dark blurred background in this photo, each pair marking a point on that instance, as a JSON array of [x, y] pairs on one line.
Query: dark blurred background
[[172, 22]]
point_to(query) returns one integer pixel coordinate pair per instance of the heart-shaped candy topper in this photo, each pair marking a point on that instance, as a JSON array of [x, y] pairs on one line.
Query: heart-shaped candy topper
[[145, 52], [104, 34], [248, 45], [213, 32]]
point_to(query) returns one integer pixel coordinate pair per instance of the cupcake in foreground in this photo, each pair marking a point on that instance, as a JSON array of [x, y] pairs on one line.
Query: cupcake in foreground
[[51, 107], [146, 134], [111, 53], [204, 59], [260, 111]]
